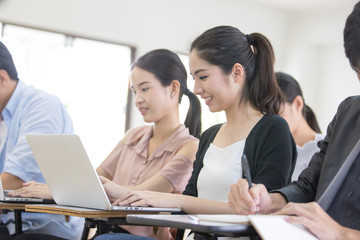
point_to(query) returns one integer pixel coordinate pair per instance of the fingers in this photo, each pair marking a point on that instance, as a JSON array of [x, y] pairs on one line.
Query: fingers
[[103, 179], [241, 199]]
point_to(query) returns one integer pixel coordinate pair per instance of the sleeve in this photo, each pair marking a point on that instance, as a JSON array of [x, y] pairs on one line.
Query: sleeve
[[275, 157], [178, 171], [42, 115], [305, 188]]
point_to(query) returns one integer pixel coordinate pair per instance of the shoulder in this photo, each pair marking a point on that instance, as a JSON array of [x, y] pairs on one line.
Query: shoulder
[[136, 133], [271, 122], [34, 99], [211, 131], [189, 149], [350, 103]]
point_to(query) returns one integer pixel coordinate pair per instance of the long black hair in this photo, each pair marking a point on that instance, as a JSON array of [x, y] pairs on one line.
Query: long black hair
[[224, 46], [291, 89], [167, 66]]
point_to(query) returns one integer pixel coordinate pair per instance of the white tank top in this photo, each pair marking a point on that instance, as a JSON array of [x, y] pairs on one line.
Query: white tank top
[[222, 168]]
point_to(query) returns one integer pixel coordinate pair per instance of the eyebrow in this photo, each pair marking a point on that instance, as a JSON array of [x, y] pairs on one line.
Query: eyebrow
[[198, 71]]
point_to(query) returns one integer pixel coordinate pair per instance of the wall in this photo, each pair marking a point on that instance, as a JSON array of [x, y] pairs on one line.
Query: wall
[[308, 44]]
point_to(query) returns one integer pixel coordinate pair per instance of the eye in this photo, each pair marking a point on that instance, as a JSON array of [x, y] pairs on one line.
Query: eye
[[203, 77], [144, 89]]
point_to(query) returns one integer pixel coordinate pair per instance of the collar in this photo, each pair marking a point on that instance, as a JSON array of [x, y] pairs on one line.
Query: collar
[[167, 146]]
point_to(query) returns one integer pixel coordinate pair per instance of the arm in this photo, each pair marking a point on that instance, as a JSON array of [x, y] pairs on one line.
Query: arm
[[271, 151], [188, 204], [314, 218], [39, 115], [10, 181]]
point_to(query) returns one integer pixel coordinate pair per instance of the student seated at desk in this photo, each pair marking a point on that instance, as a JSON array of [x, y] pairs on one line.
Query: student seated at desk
[[26, 110], [233, 72], [325, 198], [156, 157], [302, 121]]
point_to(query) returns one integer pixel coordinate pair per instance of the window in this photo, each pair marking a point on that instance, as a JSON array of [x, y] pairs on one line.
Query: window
[[90, 77]]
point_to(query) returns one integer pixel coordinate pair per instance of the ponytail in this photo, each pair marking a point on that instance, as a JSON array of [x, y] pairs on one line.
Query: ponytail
[[311, 118], [263, 91], [193, 116]]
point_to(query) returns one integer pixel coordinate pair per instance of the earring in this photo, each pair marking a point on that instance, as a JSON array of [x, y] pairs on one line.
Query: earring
[[171, 94]]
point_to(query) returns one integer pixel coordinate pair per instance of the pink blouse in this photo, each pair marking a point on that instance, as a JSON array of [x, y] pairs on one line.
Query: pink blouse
[[130, 165]]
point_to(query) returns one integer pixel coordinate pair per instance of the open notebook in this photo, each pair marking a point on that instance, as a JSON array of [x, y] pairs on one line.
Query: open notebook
[[275, 227]]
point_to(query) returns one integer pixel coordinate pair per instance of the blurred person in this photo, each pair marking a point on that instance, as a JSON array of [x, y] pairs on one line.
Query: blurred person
[[302, 121]]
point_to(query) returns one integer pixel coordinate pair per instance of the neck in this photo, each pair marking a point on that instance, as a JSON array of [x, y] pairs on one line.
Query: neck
[[9, 90], [163, 128], [242, 115], [303, 134]]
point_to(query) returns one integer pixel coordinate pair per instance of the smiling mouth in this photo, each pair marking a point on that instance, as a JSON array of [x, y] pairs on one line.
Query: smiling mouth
[[208, 99]]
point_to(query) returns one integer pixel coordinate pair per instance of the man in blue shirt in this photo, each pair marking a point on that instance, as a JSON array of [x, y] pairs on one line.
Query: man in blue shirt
[[26, 110]]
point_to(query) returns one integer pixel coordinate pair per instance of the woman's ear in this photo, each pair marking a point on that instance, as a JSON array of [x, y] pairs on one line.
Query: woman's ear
[[174, 88], [238, 72], [298, 103]]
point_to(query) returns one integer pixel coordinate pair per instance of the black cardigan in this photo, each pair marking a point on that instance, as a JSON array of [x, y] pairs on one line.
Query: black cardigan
[[270, 149]]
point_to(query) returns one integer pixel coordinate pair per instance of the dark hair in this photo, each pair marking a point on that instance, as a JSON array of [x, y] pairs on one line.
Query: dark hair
[[7, 63], [225, 46], [167, 66], [352, 36], [291, 89]]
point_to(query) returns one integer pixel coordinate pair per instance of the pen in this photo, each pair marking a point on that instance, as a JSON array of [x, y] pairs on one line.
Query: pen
[[193, 218], [246, 169]]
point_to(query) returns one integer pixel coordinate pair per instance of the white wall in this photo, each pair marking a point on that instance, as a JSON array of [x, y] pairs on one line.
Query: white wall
[[308, 44]]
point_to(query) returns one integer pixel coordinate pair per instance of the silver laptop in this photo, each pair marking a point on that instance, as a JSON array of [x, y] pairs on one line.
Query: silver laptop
[[70, 175], [4, 197]]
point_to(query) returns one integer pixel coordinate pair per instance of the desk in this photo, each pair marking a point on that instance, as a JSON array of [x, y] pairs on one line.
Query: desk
[[186, 222], [93, 217], [17, 208]]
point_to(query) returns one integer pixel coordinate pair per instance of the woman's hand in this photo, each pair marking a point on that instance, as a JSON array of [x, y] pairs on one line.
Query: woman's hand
[[113, 190], [149, 198], [33, 189]]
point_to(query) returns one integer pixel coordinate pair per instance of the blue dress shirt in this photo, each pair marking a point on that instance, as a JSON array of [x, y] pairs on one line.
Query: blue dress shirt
[[32, 111]]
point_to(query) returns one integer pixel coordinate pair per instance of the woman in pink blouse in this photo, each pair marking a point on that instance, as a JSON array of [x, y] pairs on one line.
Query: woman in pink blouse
[[155, 157]]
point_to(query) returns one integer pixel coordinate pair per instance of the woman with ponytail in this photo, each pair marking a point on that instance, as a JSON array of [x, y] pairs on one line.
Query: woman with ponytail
[[233, 72], [302, 121]]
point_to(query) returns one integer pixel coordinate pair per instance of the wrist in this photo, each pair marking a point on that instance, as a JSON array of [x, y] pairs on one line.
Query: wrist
[[278, 201]]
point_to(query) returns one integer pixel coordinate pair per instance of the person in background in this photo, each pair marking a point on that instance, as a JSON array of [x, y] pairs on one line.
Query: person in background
[[26, 110], [325, 199], [155, 157], [233, 72], [302, 121]]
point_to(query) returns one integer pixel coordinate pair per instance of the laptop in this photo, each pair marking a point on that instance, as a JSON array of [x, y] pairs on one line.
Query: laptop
[[70, 175], [5, 198]]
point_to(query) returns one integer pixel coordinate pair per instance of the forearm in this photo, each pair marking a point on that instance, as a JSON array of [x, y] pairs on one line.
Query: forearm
[[10, 182], [349, 234], [194, 205]]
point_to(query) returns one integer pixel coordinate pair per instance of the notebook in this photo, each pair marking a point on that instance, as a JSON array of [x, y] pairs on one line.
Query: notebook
[[8, 199], [70, 175], [275, 227]]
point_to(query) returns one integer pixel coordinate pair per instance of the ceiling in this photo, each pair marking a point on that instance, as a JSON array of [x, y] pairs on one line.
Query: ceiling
[[307, 5]]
